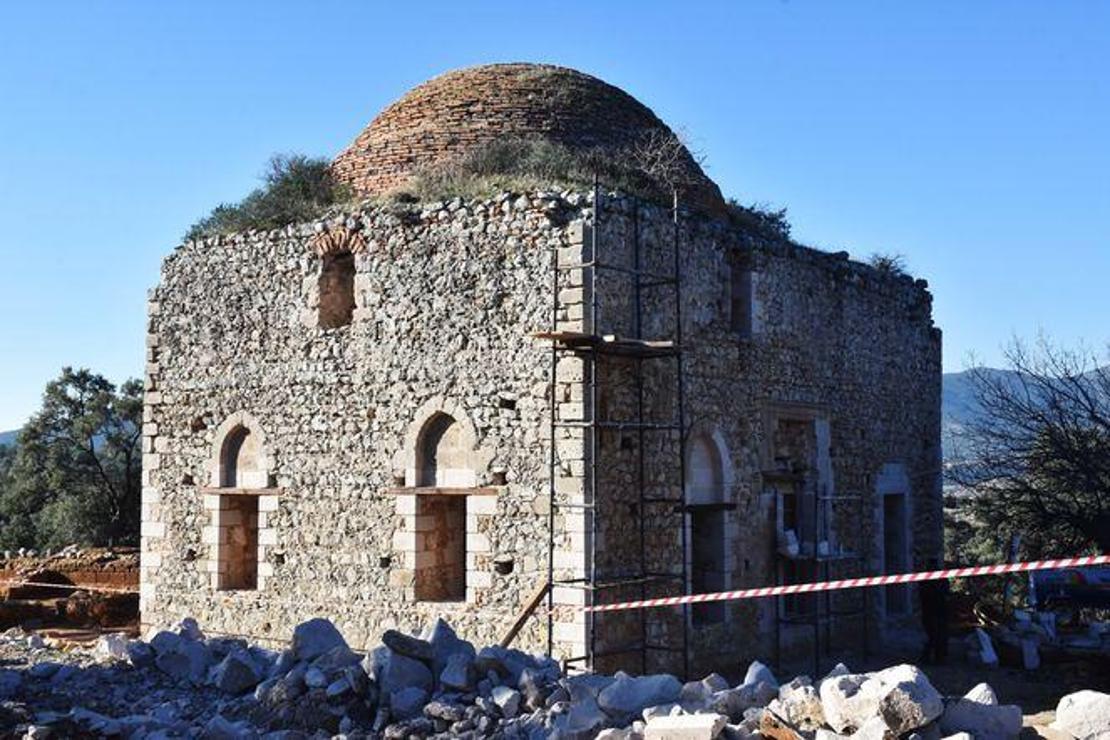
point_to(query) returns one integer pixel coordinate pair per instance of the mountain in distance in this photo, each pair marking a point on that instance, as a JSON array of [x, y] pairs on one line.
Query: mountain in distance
[[8, 438]]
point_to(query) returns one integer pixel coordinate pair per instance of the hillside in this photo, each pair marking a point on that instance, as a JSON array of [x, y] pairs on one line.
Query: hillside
[[8, 438]]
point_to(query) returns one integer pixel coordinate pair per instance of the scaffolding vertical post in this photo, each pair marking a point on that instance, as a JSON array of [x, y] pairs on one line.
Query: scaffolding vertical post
[[641, 437], [680, 382], [593, 432], [551, 461], [590, 346]]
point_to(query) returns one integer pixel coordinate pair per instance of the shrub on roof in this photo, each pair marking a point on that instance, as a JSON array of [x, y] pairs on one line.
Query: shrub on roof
[[294, 188]]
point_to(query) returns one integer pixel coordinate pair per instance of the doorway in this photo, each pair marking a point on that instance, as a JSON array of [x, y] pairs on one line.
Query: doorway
[[895, 539]]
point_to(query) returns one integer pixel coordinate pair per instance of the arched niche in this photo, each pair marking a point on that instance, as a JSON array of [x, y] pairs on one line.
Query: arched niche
[[440, 448], [240, 458], [442, 458], [708, 486], [240, 475]]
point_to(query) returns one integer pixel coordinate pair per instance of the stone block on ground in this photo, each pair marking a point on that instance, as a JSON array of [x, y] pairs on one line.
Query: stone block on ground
[[901, 695], [979, 713], [627, 697], [507, 700], [457, 672], [757, 672], [236, 673], [10, 681], [393, 671], [315, 637], [407, 702], [1084, 714], [408, 645], [685, 727], [111, 647], [776, 728], [799, 705]]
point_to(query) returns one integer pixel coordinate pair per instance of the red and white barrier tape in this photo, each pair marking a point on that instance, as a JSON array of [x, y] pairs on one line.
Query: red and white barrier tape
[[804, 588], [17, 583]]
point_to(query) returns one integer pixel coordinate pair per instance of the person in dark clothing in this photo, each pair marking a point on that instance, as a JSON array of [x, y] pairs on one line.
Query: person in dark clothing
[[934, 616]]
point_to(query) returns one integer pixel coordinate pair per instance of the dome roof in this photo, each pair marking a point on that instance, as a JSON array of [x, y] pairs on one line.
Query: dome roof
[[449, 115]]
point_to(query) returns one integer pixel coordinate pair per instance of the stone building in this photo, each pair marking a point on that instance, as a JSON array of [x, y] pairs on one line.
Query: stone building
[[405, 411]]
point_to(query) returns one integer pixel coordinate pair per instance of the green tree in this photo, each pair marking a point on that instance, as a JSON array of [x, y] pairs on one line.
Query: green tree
[[1036, 461], [75, 475]]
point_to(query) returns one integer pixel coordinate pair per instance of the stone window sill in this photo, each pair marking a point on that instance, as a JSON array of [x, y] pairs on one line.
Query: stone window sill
[[441, 491], [241, 491]]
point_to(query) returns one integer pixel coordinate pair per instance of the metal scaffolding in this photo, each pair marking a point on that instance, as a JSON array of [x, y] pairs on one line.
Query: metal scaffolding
[[591, 347], [816, 543]]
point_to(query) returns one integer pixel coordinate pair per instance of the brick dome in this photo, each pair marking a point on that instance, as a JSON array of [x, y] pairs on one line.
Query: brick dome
[[445, 117]]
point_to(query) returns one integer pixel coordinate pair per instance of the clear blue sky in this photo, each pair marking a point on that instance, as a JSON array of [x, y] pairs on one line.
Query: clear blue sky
[[974, 138]]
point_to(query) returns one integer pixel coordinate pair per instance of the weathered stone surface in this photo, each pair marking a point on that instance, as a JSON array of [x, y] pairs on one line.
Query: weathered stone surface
[[979, 713], [408, 645], [777, 728], [457, 673], [437, 288], [407, 702], [908, 701], [338, 657], [236, 673], [315, 637], [450, 115], [685, 727], [111, 646], [10, 682], [627, 696], [800, 706], [902, 696], [1084, 714], [757, 672], [394, 672], [507, 700], [188, 661]]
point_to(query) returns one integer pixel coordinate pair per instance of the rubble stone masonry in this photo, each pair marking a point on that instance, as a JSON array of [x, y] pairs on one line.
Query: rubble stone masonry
[[355, 513]]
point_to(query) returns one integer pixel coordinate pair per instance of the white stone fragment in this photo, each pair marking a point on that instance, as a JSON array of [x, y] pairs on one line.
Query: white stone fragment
[[685, 727], [1085, 715]]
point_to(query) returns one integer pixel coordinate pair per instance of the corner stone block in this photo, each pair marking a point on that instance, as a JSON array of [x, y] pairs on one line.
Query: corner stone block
[[152, 529], [481, 504], [406, 505]]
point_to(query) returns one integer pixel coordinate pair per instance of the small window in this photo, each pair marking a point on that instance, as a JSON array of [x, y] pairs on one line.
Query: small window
[[741, 298], [705, 495], [441, 548], [337, 290], [238, 549], [236, 519]]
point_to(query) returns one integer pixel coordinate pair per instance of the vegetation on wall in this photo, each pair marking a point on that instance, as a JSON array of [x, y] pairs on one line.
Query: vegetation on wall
[[295, 188], [75, 474], [889, 263]]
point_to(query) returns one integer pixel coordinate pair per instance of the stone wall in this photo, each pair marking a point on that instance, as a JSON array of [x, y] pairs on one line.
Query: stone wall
[[447, 297], [846, 353], [446, 300]]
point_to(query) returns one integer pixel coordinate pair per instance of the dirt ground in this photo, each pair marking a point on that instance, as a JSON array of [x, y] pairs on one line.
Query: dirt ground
[[71, 593]]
